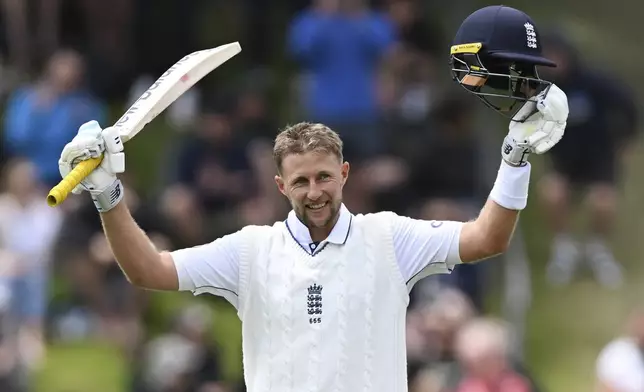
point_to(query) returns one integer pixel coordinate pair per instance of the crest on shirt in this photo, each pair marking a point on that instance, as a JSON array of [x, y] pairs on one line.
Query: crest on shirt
[[314, 303]]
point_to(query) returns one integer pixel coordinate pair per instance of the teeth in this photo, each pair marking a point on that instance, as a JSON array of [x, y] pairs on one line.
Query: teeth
[[316, 206]]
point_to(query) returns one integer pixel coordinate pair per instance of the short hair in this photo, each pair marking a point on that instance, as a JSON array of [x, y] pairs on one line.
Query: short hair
[[306, 137]]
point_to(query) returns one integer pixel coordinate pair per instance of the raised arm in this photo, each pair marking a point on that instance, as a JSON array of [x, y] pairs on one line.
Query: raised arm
[[490, 233], [214, 266], [211, 268], [424, 247], [535, 128], [142, 264]]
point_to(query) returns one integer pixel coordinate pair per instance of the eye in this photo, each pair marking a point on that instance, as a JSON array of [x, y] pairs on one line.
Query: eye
[[324, 176]]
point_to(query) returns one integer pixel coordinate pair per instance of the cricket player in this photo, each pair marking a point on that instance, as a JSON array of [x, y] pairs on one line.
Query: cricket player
[[322, 295]]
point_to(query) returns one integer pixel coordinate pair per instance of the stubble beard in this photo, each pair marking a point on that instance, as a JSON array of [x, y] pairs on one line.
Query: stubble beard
[[334, 207]]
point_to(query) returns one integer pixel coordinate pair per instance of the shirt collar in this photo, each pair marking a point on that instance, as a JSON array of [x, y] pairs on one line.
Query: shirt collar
[[338, 235]]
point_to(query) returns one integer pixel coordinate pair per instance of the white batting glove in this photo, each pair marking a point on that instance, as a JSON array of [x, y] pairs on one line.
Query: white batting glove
[[536, 127], [102, 184]]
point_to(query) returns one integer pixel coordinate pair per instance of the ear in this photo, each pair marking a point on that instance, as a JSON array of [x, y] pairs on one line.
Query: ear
[[280, 185], [345, 172]]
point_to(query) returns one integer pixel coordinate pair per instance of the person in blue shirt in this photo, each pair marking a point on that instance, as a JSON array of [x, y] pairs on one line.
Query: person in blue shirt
[[339, 45], [42, 117]]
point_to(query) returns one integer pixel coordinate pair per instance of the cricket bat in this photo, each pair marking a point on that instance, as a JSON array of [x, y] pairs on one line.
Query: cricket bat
[[178, 79]]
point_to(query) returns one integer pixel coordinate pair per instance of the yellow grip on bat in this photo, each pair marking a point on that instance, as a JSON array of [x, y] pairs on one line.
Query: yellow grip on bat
[[59, 193]]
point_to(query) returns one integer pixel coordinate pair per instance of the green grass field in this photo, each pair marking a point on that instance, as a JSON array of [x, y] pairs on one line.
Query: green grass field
[[89, 366]]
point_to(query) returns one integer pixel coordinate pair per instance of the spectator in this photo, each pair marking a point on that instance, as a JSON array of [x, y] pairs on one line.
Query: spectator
[[415, 64], [30, 30], [482, 349], [436, 344], [213, 175], [431, 329], [28, 228], [445, 170], [257, 124], [340, 46], [41, 118], [417, 32], [106, 33], [601, 124], [11, 377], [620, 364]]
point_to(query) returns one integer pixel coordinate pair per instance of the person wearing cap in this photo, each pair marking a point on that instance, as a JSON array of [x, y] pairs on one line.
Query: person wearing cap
[[604, 120], [323, 294]]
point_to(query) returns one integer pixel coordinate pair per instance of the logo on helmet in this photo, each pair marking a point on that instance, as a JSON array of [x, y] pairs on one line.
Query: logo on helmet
[[531, 35]]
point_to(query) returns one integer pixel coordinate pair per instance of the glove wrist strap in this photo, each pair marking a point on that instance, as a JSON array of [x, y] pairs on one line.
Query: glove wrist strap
[[109, 197], [510, 189]]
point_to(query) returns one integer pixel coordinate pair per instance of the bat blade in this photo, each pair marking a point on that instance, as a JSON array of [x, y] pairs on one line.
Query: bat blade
[[165, 90], [179, 78]]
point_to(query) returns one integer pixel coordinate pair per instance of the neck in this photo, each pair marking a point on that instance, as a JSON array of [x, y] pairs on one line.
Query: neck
[[321, 233]]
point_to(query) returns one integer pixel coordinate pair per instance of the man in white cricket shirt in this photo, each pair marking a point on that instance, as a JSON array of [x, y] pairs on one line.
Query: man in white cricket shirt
[[322, 295]]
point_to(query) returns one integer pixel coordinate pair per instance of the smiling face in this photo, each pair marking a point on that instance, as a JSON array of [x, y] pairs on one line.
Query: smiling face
[[313, 184], [311, 175]]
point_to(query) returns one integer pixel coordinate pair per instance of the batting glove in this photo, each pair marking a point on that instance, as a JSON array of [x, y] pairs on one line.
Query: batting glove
[[536, 127], [102, 184]]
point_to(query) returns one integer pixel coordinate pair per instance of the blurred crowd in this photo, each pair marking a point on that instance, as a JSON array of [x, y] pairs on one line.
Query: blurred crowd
[[376, 73]]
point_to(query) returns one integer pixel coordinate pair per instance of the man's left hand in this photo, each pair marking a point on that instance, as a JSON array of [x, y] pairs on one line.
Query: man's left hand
[[537, 126]]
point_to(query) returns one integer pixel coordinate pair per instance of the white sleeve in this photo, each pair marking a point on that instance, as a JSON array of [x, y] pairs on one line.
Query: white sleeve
[[213, 267], [425, 247], [619, 367]]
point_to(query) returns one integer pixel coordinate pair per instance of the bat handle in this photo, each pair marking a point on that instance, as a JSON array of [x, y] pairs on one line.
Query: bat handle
[[59, 193]]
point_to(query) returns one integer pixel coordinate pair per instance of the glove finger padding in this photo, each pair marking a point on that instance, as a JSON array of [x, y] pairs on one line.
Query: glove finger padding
[[539, 136], [537, 127], [90, 128], [553, 104], [88, 143], [555, 135]]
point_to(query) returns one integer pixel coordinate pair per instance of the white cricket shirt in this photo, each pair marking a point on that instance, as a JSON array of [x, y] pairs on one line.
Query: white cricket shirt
[[328, 316]]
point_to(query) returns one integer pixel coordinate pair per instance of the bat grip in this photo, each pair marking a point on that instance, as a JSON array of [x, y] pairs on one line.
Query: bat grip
[[59, 193]]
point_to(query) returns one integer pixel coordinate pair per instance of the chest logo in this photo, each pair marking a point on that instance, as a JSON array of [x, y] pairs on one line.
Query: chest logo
[[314, 304]]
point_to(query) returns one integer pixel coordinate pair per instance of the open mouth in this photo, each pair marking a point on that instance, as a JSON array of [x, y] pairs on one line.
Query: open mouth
[[316, 207]]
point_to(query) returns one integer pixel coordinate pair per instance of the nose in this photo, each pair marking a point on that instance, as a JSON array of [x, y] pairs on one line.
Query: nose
[[314, 192]]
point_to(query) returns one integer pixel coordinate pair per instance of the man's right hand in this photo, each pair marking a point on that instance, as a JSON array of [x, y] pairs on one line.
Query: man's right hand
[[537, 127], [92, 142]]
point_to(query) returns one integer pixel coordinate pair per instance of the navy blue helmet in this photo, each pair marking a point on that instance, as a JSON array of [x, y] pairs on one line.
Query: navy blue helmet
[[495, 55]]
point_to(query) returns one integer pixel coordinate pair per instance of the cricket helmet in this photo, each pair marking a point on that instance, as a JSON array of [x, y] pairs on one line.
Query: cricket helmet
[[495, 55]]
